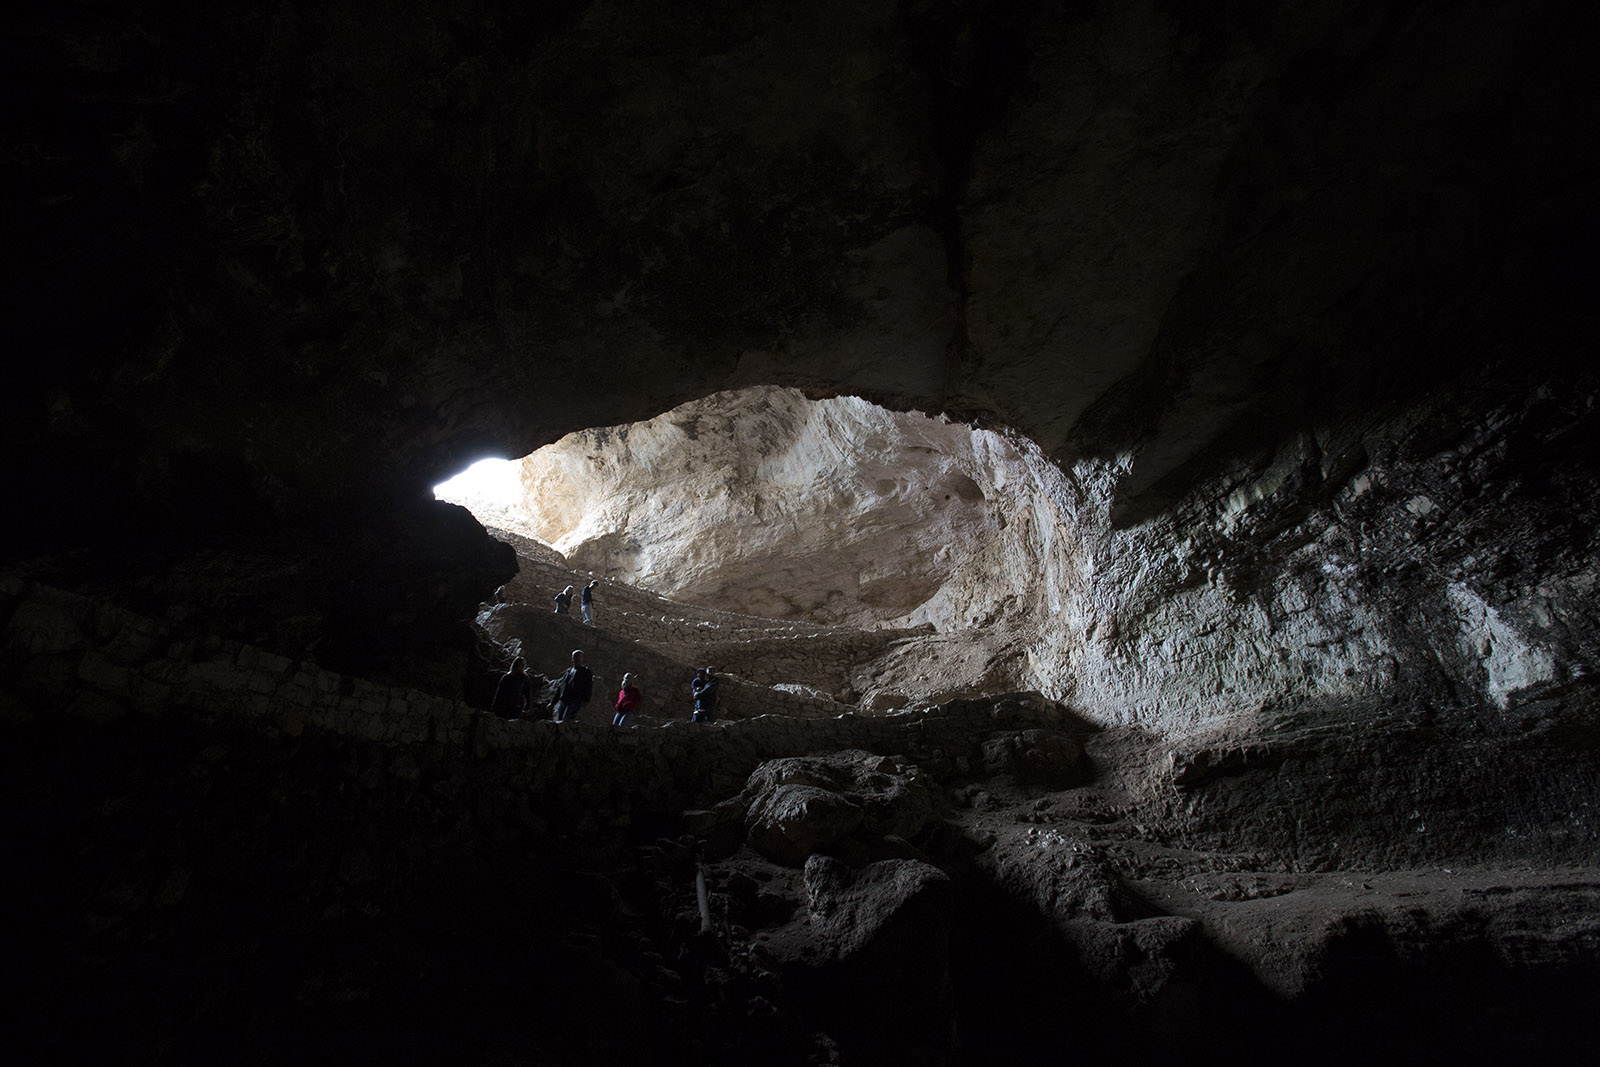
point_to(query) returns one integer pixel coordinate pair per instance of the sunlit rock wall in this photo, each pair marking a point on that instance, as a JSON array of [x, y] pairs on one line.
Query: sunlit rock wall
[[1362, 561], [765, 503], [1434, 556]]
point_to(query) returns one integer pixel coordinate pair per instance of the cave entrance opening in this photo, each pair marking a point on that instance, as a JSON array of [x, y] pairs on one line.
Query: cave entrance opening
[[763, 502], [490, 489]]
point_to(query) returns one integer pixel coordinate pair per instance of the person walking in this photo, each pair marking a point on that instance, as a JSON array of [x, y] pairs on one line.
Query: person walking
[[628, 700], [704, 688], [564, 601], [514, 692], [586, 602], [573, 689]]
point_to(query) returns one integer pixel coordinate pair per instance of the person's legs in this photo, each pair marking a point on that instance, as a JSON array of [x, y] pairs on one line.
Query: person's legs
[[588, 615]]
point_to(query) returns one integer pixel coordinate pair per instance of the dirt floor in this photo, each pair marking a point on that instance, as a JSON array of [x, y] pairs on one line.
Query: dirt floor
[[1098, 916]]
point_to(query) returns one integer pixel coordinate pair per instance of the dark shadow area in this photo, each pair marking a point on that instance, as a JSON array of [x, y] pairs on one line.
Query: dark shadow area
[[179, 893], [1024, 994]]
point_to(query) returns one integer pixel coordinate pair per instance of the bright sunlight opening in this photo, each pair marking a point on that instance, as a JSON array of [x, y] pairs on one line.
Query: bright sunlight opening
[[489, 485]]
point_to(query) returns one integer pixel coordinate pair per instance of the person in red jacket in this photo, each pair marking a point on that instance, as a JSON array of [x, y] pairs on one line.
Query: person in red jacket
[[628, 700]]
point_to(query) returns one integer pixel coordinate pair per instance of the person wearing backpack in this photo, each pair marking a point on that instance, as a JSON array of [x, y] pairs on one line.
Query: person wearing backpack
[[573, 689], [704, 688]]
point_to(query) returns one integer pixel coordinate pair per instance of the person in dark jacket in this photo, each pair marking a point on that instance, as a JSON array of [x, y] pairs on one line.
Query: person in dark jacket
[[513, 695], [628, 700], [564, 601], [573, 690], [704, 688], [586, 602]]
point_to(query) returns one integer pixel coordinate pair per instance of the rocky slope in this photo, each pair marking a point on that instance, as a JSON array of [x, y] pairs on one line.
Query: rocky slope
[[219, 850]]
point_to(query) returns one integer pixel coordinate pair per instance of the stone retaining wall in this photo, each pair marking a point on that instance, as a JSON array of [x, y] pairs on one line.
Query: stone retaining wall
[[663, 675], [539, 579], [824, 663], [764, 652], [67, 654], [529, 549]]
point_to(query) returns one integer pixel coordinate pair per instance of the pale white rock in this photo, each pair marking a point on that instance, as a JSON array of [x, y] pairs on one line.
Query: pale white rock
[[1510, 661], [1254, 592], [765, 503]]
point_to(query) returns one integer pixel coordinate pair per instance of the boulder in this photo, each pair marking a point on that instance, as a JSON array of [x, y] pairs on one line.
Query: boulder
[[797, 806], [791, 822], [849, 909], [1038, 759], [870, 956]]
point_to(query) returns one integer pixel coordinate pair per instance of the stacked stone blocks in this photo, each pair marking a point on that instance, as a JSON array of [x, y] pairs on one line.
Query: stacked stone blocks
[[76, 656]]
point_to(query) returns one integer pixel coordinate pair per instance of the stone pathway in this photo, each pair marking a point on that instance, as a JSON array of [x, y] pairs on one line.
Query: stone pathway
[[767, 666]]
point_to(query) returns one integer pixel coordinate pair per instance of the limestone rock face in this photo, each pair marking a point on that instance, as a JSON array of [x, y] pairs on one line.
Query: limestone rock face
[[1359, 560], [765, 503], [1037, 758], [796, 806], [880, 936]]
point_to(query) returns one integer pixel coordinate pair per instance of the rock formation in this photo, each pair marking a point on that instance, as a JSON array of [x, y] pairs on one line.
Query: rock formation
[[766, 504], [1341, 565], [1255, 687]]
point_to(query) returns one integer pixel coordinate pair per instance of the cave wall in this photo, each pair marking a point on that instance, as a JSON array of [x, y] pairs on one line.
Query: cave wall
[[1292, 304], [763, 503], [286, 269], [1434, 555], [1430, 552]]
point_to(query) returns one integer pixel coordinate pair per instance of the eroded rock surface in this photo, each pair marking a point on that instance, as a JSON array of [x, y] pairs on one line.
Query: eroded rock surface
[[799, 806], [835, 511], [1359, 561], [1283, 311], [879, 934], [1037, 758]]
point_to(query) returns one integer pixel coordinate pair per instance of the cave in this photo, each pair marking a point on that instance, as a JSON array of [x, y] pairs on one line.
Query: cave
[[769, 504], [1130, 467]]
